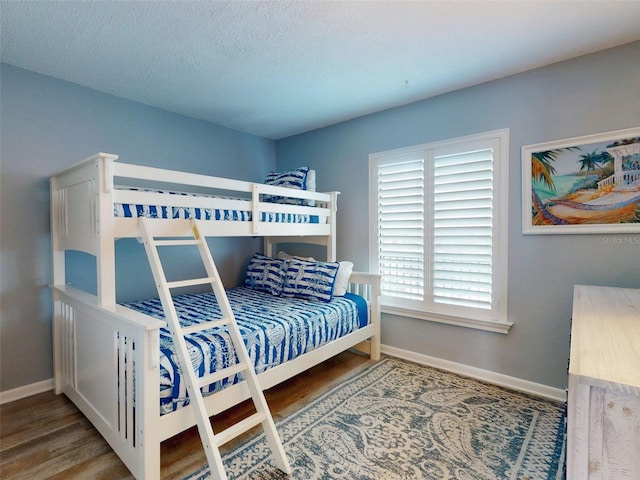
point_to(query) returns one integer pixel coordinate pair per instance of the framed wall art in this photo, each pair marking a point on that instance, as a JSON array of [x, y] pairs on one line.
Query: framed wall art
[[588, 184]]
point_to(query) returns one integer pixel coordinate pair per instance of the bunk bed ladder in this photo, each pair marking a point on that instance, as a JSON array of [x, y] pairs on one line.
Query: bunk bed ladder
[[211, 441]]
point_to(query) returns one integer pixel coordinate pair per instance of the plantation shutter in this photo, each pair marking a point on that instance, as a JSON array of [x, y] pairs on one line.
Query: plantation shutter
[[400, 240], [462, 229], [439, 239]]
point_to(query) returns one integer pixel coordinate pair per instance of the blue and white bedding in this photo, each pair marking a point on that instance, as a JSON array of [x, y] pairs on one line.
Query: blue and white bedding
[[129, 210], [275, 329]]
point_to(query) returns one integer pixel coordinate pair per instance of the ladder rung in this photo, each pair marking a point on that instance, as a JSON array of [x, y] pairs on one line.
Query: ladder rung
[[191, 282], [239, 428], [170, 243], [198, 327], [221, 374]]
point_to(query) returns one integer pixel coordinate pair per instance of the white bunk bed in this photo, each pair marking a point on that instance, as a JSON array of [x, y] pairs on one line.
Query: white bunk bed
[[106, 356]]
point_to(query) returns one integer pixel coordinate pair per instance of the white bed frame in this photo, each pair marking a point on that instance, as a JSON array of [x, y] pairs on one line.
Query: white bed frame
[[95, 338]]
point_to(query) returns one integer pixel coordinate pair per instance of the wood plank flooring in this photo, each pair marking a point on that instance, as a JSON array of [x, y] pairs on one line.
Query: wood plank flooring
[[45, 436]]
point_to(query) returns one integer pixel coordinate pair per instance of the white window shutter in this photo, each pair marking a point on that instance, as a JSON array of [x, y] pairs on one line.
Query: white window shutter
[[400, 219], [462, 229]]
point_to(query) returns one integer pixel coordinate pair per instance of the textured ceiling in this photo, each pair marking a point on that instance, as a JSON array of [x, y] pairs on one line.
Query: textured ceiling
[[278, 68]]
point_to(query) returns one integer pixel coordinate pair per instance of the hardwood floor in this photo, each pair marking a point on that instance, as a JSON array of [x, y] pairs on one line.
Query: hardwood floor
[[45, 436]]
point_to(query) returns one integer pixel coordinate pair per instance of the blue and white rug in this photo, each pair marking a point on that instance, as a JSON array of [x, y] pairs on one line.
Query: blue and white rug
[[399, 420]]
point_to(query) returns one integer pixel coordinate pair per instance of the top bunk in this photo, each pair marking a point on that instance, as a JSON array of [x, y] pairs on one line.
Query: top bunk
[[100, 199]]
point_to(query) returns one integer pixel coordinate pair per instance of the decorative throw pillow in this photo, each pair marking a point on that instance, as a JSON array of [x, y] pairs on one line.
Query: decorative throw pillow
[[310, 280], [266, 274], [295, 178]]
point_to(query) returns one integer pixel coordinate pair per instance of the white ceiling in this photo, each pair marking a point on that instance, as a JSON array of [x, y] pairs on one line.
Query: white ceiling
[[277, 68]]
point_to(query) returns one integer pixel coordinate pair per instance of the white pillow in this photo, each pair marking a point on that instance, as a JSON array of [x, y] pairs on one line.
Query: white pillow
[[310, 185], [342, 279]]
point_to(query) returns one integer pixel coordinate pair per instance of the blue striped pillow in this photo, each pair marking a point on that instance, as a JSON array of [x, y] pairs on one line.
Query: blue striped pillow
[[266, 273], [295, 178], [310, 280]]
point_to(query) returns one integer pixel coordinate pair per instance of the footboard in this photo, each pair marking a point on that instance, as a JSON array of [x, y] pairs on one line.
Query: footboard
[[368, 285], [106, 362]]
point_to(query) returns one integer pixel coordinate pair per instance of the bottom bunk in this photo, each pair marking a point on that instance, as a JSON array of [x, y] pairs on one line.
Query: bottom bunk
[[271, 339], [117, 364]]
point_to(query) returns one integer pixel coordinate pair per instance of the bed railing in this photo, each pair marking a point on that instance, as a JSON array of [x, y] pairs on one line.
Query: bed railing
[[84, 196]]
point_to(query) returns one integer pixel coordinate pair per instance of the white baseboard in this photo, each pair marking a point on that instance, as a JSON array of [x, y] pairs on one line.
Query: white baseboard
[[513, 383], [25, 391], [488, 376]]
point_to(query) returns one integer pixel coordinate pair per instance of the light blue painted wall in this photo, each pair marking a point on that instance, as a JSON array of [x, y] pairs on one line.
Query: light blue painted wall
[[47, 125], [590, 94]]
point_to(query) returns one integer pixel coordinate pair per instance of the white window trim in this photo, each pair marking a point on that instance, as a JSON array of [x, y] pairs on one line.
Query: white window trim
[[500, 229], [478, 324]]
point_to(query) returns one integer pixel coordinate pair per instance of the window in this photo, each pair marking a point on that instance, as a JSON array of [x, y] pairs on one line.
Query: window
[[439, 221]]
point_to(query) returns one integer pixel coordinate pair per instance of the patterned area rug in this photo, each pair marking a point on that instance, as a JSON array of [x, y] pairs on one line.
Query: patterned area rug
[[399, 420]]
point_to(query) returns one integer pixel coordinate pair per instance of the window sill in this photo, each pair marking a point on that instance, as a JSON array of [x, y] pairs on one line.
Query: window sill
[[486, 325]]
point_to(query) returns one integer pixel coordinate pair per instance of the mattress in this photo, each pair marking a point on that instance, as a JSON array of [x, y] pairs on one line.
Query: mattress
[[129, 210], [275, 330]]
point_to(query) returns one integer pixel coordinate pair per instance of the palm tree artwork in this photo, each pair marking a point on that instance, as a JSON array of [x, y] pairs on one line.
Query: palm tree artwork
[[587, 184], [590, 161]]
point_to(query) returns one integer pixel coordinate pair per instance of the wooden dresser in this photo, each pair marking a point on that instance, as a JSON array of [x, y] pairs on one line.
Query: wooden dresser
[[603, 429]]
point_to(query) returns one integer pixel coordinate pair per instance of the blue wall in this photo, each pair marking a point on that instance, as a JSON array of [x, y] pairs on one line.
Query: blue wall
[[590, 94], [47, 125]]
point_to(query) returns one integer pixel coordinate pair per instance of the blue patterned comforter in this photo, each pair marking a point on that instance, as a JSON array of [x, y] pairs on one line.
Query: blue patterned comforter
[[275, 329], [161, 211]]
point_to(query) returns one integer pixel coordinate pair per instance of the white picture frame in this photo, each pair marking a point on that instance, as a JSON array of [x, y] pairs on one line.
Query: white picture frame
[[588, 184]]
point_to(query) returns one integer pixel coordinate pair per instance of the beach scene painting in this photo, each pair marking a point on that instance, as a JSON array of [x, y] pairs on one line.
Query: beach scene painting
[[588, 184]]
